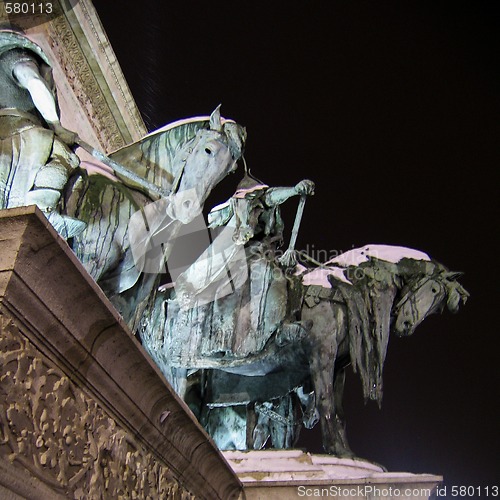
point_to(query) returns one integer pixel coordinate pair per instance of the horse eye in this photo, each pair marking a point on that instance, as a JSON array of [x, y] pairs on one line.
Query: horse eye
[[434, 290], [208, 151]]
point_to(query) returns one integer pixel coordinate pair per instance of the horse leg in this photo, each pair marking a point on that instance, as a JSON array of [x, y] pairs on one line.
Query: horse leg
[[338, 394], [261, 432], [310, 415], [179, 382], [323, 340]]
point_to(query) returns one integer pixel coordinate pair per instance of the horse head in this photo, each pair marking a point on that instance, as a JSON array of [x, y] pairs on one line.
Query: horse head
[[427, 295], [202, 163]]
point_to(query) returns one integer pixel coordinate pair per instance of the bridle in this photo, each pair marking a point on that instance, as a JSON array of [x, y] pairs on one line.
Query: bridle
[[180, 174], [412, 289]]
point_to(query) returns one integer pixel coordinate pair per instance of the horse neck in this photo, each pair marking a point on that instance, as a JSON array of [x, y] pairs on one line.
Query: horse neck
[[168, 144]]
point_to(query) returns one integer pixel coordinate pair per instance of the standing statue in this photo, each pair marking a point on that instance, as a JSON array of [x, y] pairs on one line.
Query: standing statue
[[35, 160]]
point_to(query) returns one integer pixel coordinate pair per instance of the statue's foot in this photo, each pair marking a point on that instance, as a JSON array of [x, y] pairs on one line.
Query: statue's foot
[[292, 332]]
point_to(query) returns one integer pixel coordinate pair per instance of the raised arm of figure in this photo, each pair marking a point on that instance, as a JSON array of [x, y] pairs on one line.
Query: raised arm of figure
[[28, 76], [278, 195]]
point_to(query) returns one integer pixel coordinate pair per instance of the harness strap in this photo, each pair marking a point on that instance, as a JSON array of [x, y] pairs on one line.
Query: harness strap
[[411, 291], [274, 416], [177, 179]]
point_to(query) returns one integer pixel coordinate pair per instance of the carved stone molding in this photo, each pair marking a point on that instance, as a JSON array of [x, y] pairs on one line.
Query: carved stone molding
[[51, 428], [84, 83]]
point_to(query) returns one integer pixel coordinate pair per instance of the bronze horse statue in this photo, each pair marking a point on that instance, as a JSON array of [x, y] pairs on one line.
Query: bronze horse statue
[[351, 324], [347, 309], [184, 160]]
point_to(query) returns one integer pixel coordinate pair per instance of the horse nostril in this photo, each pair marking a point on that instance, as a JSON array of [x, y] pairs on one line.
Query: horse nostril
[[187, 204]]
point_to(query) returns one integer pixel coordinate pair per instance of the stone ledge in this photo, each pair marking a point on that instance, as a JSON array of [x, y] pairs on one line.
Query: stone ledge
[[68, 320], [277, 474]]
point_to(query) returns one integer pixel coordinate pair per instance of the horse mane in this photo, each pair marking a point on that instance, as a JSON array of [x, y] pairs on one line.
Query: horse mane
[[152, 156], [369, 302]]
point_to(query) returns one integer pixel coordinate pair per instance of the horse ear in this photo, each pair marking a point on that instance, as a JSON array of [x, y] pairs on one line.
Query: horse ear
[[219, 216], [215, 119], [452, 275]]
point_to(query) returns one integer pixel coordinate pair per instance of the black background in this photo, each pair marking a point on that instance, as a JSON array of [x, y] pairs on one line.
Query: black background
[[392, 108]]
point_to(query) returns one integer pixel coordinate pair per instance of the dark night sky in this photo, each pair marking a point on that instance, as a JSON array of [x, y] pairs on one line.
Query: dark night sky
[[393, 109]]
